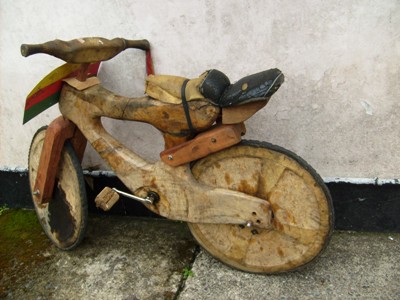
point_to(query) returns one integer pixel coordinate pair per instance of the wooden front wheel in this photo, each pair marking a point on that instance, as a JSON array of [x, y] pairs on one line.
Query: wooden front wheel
[[64, 218], [301, 206]]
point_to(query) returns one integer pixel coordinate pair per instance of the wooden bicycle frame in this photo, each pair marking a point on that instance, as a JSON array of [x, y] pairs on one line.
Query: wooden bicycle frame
[[182, 197]]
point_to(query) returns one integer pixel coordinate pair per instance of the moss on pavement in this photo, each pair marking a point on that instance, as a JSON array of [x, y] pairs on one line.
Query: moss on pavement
[[23, 245]]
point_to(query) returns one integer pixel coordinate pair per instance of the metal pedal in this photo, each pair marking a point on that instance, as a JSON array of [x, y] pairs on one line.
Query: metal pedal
[[106, 199]]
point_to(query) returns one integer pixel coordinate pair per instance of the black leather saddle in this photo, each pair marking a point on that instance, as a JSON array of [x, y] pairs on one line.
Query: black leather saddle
[[217, 87]]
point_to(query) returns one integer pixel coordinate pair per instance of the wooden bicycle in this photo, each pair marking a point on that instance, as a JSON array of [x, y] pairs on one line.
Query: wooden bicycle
[[255, 206]]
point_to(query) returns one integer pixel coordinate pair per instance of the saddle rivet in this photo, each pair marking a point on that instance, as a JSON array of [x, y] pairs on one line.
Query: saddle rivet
[[170, 157], [213, 140]]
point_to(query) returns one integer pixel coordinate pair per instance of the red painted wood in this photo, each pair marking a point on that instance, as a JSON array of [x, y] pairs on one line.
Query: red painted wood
[[149, 63], [56, 134]]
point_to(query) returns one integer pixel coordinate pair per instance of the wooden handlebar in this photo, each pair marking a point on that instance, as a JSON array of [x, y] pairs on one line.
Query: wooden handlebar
[[84, 50]]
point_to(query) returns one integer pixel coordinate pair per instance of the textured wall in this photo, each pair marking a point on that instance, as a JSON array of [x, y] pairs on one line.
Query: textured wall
[[338, 108]]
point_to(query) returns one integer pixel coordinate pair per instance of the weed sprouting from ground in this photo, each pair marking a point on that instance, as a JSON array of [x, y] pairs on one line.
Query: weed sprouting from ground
[[3, 209], [187, 272]]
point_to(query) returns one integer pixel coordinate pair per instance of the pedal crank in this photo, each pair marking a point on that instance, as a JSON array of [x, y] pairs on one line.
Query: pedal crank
[[151, 198], [109, 196]]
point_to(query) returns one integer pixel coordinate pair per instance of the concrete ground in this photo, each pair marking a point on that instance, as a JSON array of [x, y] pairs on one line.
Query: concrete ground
[[131, 258]]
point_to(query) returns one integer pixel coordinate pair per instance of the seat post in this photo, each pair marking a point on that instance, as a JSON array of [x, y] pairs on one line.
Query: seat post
[[83, 72]]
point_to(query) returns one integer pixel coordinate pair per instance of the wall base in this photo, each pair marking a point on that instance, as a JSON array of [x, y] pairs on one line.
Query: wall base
[[360, 205]]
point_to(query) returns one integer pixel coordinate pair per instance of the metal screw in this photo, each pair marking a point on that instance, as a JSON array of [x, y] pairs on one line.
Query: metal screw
[[36, 193], [170, 157], [249, 224], [213, 140]]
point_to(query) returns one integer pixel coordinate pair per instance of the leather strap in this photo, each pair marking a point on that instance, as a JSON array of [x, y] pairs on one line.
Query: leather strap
[[186, 107]]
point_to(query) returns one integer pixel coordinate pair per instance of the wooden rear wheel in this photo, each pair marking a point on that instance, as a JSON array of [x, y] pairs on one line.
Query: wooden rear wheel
[[300, 201], [64, 218]]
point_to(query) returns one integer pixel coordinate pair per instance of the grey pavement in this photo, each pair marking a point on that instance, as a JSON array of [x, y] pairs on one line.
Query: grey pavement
[[134, 258]]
